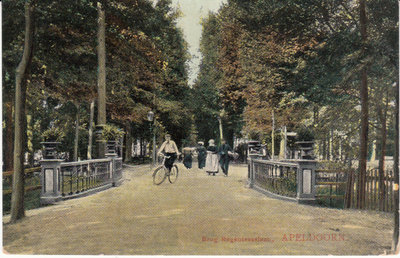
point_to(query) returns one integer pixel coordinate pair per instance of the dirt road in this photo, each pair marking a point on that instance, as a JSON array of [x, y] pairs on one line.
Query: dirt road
[[199, 214]]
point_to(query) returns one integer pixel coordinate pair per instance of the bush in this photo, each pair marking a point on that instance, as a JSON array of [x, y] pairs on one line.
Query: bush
[[53, 134], [111, 133], [305, 134]]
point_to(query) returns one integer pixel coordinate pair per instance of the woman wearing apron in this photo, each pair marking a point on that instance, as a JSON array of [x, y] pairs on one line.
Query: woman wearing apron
[[212, 158]]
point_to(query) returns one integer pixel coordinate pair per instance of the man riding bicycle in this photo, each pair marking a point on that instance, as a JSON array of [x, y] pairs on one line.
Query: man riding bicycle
[[170, 151]]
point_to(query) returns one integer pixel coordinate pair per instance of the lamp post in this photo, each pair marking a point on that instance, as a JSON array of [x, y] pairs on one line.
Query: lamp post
[[273, 135], [150, 118]]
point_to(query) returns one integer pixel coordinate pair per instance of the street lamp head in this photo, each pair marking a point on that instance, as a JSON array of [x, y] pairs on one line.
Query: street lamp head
[[150, 116]]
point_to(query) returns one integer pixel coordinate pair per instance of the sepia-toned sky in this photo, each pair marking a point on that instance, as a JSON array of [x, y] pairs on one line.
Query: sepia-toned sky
[[193, 11]]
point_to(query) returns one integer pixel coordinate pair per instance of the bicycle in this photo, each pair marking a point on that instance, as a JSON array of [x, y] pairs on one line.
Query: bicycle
[[161, 173]]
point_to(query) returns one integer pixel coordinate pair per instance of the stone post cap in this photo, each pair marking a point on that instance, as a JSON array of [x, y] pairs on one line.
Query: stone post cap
[[50, 160]]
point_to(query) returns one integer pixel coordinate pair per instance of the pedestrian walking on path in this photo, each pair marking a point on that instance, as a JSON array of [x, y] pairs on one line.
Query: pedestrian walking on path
[[223, 152], [212, 158], [187, 157], [201, 155]]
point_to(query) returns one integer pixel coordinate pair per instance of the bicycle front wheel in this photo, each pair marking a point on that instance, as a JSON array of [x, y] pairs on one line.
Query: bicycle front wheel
[[159, 175], [173, 175]]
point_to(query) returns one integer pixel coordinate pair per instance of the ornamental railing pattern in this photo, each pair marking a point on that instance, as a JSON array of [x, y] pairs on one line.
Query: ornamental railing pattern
[[277, 177], [78, 177], [64, 180], [289, 179]]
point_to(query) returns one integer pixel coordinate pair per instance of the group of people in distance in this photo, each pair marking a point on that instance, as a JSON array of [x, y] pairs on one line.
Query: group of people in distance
[[210, 158], [217, 155]]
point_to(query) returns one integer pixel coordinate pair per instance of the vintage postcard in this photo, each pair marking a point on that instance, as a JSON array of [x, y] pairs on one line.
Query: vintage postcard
[[200, 127]]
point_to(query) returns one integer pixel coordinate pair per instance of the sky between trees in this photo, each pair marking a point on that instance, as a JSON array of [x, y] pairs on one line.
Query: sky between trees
[[192, 13]]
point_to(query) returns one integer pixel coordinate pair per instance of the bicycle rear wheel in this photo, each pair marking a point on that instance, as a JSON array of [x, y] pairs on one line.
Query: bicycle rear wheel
[[173, 175], [159, 175]]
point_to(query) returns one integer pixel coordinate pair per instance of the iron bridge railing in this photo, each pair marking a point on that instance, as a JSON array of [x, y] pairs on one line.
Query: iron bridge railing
[[289, 179], [277, 177], [63, 180], [77, 177]]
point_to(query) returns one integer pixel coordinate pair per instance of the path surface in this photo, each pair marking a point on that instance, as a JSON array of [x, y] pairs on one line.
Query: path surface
[[193, 216]]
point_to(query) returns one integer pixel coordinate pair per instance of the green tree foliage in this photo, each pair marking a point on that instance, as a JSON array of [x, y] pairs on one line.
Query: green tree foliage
[[146, 66], [302, 60], [12, 52]]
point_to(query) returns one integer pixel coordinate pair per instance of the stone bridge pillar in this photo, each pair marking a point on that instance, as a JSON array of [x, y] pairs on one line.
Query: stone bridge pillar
[[113, 168], [50, 180], [250, 175], [306, 181]]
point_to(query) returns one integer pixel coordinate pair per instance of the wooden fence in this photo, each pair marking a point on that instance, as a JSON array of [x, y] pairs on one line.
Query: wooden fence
[[338, 188], [32, 180], [331, 186], [374, 198], [32, 188]]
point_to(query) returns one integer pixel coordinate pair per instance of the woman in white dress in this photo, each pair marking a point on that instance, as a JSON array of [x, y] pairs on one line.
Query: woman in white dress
[[212, 158]]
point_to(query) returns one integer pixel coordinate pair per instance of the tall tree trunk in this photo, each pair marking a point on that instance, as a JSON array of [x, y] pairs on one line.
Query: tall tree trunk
[[395, 239], [76, 140], [382, 117], [364, 114], [331, 145], [229, 135], [315, 115], [273, 136], [17, 198], [128, 142], [141, 147], [9, 137], [221, 133], [318, 144], [153, 152], [373, 154], [101, 80], [29, 134], [90, 145], [282, 145]]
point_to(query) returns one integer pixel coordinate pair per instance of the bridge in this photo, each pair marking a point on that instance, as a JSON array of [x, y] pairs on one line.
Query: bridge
[[198, 214]]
